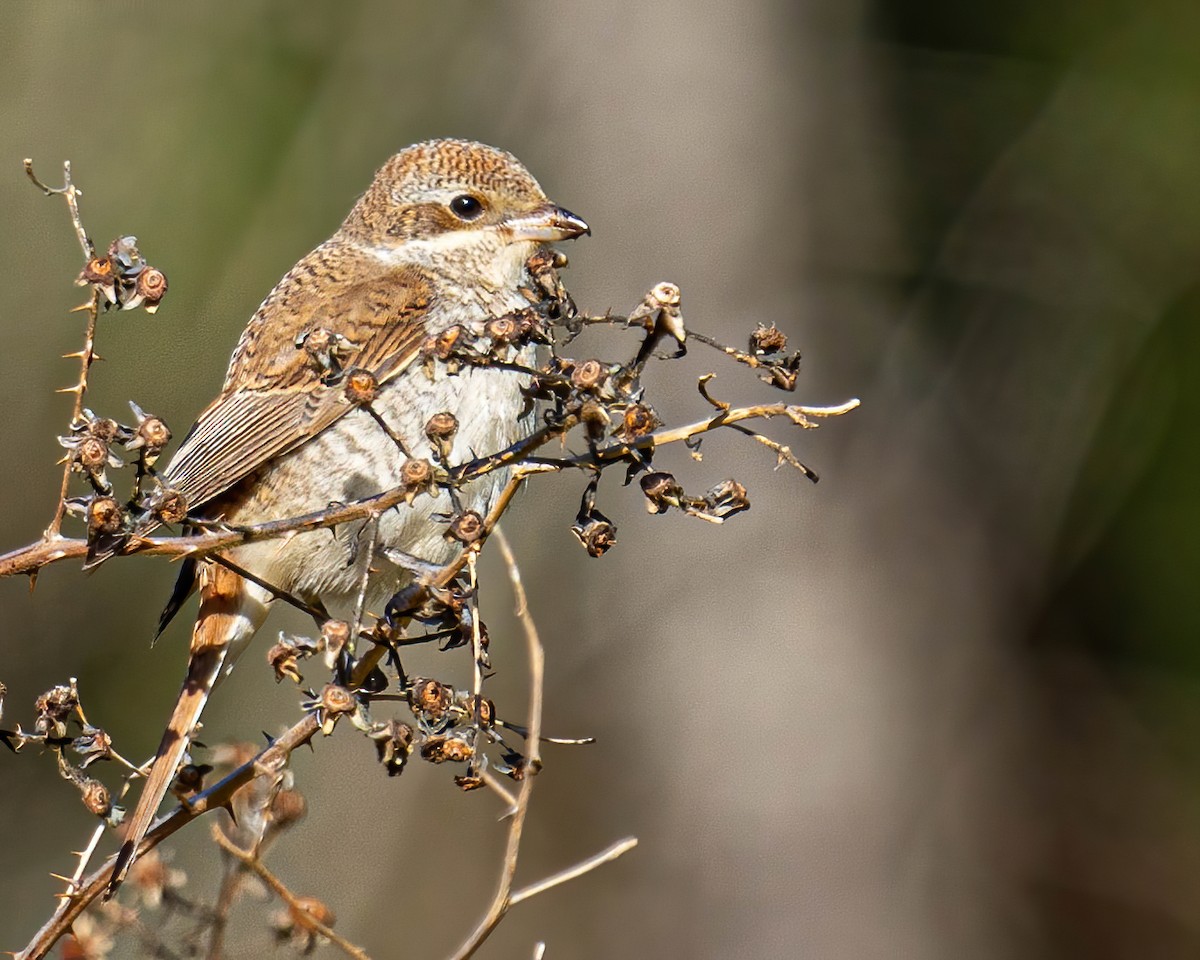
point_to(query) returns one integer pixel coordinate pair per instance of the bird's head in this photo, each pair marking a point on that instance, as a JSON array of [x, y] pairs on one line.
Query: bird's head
[[459, 207]]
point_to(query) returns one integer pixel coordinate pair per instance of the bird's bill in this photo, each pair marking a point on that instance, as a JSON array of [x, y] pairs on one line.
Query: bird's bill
[[547, 224]]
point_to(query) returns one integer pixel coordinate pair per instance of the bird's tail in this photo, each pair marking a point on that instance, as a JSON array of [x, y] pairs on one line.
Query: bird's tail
[[231, 609]]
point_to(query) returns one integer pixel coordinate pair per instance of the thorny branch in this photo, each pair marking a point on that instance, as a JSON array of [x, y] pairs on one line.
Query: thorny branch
[[302, 912], [603, 402]]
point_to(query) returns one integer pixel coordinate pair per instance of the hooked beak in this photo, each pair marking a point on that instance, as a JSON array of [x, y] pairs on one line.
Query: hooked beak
[[547, 224]]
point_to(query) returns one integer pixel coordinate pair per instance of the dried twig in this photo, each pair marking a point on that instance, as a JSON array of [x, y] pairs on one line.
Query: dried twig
[[504, 898], [297, 907]]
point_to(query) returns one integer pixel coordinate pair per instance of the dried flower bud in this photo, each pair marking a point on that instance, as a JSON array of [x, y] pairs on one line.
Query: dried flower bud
[[362, 387], [430, 699], [502, 329], [727, 498], [104, 517], [588, 375], [92, 454], [97, 270], [483, 711], [596, 535], [394, 743], [467, 782], [639, 420], [443, 748], [335, 634], [91, 745], [441, 426], [288, 807], [151, 436], [416, 476], [169, 506], [661, 490], [151, 287], [659, 312], [102, 428], [337, 699], [283, 658], [767, 339], [96, 797], [665, 295], [467, 528], [595, 419], [54, 708]]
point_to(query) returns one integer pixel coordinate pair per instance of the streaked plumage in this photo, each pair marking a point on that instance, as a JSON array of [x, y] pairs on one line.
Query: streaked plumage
[[279, 441]]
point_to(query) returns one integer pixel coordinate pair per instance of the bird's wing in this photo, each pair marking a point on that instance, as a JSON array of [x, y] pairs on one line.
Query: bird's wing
[[274, 399]]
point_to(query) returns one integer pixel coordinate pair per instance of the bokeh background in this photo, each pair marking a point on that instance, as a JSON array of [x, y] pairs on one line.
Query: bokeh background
[[942, 705]]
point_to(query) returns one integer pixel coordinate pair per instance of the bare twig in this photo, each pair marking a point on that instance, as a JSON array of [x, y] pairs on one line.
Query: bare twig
[[214, 798], [298, 910], [618, 849], [504, 897], [71, 194]]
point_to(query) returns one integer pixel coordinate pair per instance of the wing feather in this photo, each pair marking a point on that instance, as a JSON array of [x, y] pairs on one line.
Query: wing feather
[[274, 398]]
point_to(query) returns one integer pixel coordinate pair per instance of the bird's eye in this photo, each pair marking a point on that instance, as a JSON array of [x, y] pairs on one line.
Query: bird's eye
[[466, 207]]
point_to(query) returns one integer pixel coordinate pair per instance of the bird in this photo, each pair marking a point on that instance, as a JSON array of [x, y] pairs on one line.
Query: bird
[[441, 237]]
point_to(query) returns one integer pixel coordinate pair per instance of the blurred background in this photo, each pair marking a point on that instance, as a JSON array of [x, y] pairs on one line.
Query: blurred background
[[944, 704]]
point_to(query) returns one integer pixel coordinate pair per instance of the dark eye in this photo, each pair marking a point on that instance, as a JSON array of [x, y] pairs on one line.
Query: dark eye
[[466, 207]]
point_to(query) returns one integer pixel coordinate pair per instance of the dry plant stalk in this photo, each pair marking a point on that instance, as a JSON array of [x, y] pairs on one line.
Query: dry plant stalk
[[603, 403]]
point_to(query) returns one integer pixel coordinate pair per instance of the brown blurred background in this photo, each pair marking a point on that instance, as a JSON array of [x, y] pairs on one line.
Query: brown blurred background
[[943, 704]]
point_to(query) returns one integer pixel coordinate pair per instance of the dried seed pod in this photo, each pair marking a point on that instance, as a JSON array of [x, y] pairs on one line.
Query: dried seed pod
[[96, 797], [362, 386], [335, 634], [92, 454], [169, 506], [283, 658], [151, 435], [100, 273], [54, 708], [416, 477], [659, 312], [441, 429], [467, 528], [430, 699], [91, 745], [151, 288], [482, 710], [97, 270], [446, 748], [596, 535], [767, 339], [502, 330], [336, 699], [639, 420], [662, 492], [727, 498], [104, 517], [394, 743], [589, 375], [102, 428]]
